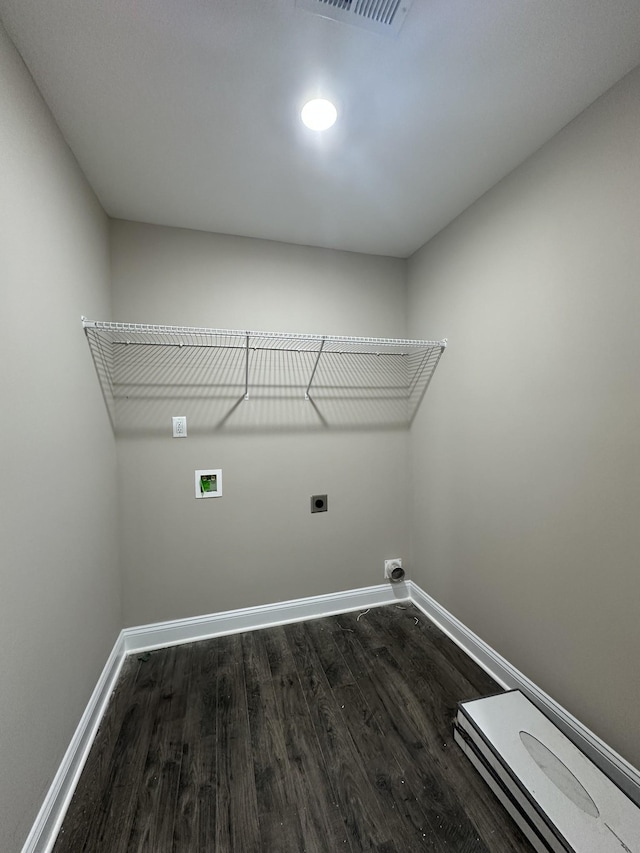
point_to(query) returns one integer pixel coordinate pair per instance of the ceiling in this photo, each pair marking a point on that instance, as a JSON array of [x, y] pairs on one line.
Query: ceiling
[[186, 112]]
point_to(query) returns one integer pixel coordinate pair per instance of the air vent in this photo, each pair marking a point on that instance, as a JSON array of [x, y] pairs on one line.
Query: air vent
[[380, 16]]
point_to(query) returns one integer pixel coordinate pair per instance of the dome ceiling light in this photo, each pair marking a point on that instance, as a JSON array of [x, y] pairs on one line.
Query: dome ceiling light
[[318, 114]]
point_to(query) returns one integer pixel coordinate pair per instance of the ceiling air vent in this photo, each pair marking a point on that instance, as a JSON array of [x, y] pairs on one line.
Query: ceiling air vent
[[380, 16]]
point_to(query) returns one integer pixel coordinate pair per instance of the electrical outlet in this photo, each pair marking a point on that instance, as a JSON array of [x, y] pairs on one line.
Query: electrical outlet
[[179, 426], [319, 503], [393, 569]]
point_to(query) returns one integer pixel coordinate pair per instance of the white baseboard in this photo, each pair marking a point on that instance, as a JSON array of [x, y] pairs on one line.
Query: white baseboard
[[610, 762], [147, 637], [47, 824], [155, 636]]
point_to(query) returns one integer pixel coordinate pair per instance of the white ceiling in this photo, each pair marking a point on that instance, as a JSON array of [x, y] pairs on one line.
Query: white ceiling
[[185, 112]]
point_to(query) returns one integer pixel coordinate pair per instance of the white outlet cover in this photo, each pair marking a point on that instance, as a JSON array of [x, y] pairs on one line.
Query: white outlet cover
[[179, 426]]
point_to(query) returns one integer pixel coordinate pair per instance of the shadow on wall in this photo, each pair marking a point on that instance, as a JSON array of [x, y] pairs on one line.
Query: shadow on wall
[[230, 415]]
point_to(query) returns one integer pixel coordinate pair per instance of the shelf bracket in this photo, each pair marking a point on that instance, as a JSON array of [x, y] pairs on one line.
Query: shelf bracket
[[315, 367], [246, 369]]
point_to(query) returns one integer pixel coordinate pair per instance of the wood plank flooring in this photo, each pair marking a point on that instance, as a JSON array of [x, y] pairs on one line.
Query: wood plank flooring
[[321, 736]]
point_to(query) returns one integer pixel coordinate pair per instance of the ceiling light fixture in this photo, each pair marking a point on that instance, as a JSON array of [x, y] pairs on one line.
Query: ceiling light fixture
[[318, 114]]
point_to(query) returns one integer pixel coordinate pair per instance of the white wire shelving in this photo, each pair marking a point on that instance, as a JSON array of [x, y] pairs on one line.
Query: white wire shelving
[[344, 381]]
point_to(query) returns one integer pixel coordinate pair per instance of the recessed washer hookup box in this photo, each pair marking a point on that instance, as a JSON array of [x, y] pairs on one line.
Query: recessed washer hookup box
[[559, 798]]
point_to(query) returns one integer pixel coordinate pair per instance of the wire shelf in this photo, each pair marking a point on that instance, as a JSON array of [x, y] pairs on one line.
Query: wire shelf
[[349, 381]]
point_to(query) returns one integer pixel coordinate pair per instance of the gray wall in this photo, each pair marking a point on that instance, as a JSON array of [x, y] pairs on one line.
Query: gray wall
[[60, 607], [259, 543], [526, 460]]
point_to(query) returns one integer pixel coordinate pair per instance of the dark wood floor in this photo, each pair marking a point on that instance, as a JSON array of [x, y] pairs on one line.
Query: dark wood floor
[[328, 735]]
